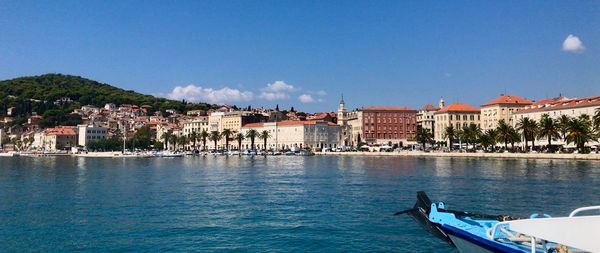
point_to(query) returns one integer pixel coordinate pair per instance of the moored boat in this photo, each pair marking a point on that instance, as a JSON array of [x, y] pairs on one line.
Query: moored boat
[[471, 232]]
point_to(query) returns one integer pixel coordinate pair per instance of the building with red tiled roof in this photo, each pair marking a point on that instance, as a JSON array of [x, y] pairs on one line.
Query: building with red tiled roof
[[429, 107], [426, 117], [59, 138], [501, 108], [455, 115], [556, 107], [456, 108], [508, 99]]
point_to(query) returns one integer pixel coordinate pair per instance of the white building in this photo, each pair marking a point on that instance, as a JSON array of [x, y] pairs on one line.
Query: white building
[[557, 107], [426, 117], [196, 124], [294, 134], [90, 133]]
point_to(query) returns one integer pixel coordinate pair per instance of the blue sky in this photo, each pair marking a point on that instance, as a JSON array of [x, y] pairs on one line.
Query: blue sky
[[306, 53]]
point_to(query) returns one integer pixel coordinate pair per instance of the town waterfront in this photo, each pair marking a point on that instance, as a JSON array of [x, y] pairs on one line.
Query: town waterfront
[[266, 204]]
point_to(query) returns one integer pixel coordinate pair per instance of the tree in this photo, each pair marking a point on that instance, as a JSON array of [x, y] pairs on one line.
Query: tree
[[424, 136], [225, 134], [173, 139], [513, 137], [203, 136], [528, 128], [252, 134], [143, 137], [18, 143], [183, 140], [265, 135], [503, 131], [596, 119], [450, 134], [166, 137], [563, 125], [471, 134], [548, 129], [239, 137], [488, 139], [215, 136], [580, 131], [193, 138]]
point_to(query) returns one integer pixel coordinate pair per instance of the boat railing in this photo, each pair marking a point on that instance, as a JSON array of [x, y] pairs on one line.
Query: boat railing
[[583, 209], [491, 233]]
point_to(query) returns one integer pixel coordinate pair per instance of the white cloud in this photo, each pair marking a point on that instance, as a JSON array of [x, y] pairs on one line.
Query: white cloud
[[279, 86], [306, 98], [279, 90], [573, 44], [194, 93]]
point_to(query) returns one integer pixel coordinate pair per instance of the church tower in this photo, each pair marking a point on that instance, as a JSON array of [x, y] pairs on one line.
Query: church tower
[[341, 114], [442, 103]]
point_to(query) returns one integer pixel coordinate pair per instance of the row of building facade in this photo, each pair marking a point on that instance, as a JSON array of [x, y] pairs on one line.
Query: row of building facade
[[385, 125]]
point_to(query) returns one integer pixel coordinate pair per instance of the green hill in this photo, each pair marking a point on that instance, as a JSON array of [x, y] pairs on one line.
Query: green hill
[[39, 94]]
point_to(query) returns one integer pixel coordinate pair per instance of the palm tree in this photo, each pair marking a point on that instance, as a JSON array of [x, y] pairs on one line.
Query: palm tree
[[513, 136], [239, 137], [471, 134], [528, 128], [596, 119], [503, 130], [265, 135], [424, 136], [166, 137], [183, 140], [194, 138], [580, 131], [173, 139], [252, 134], [563, 125], [215, 136], [449, 134], [226, 133], [488, 139], [203, 136], [548, 129]]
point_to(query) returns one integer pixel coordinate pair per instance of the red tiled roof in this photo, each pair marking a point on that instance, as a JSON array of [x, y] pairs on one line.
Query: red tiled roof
[[458, 108], [429, 107], [254, 125], [386, 108], [508, 99], [61, 131], [560, 103]]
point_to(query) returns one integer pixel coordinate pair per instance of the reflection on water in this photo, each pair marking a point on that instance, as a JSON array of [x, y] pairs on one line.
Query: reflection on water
[[266, 203]]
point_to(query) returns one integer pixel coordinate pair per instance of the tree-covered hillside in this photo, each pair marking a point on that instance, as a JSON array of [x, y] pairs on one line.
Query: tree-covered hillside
[[40, 93]]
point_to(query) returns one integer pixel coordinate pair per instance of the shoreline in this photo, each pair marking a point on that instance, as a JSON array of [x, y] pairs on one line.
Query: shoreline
[[584, 157], [593, 157]]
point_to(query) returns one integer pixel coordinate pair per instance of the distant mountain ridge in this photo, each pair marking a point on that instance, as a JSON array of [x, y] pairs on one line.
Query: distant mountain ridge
[[49, 88]]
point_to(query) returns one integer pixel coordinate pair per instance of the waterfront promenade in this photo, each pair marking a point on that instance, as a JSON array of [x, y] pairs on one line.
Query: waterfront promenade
[[591, 156], [470, 155]]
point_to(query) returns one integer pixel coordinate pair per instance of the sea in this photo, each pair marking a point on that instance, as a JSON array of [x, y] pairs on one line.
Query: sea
[[267, 204]]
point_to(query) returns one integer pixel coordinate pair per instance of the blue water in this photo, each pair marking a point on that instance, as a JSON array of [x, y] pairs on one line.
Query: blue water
[[272, 204]]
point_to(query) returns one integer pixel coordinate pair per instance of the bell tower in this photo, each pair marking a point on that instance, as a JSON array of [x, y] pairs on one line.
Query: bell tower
[[341, 114]]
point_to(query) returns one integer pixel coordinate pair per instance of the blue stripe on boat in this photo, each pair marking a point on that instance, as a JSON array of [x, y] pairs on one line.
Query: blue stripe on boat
[[479, 241]]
